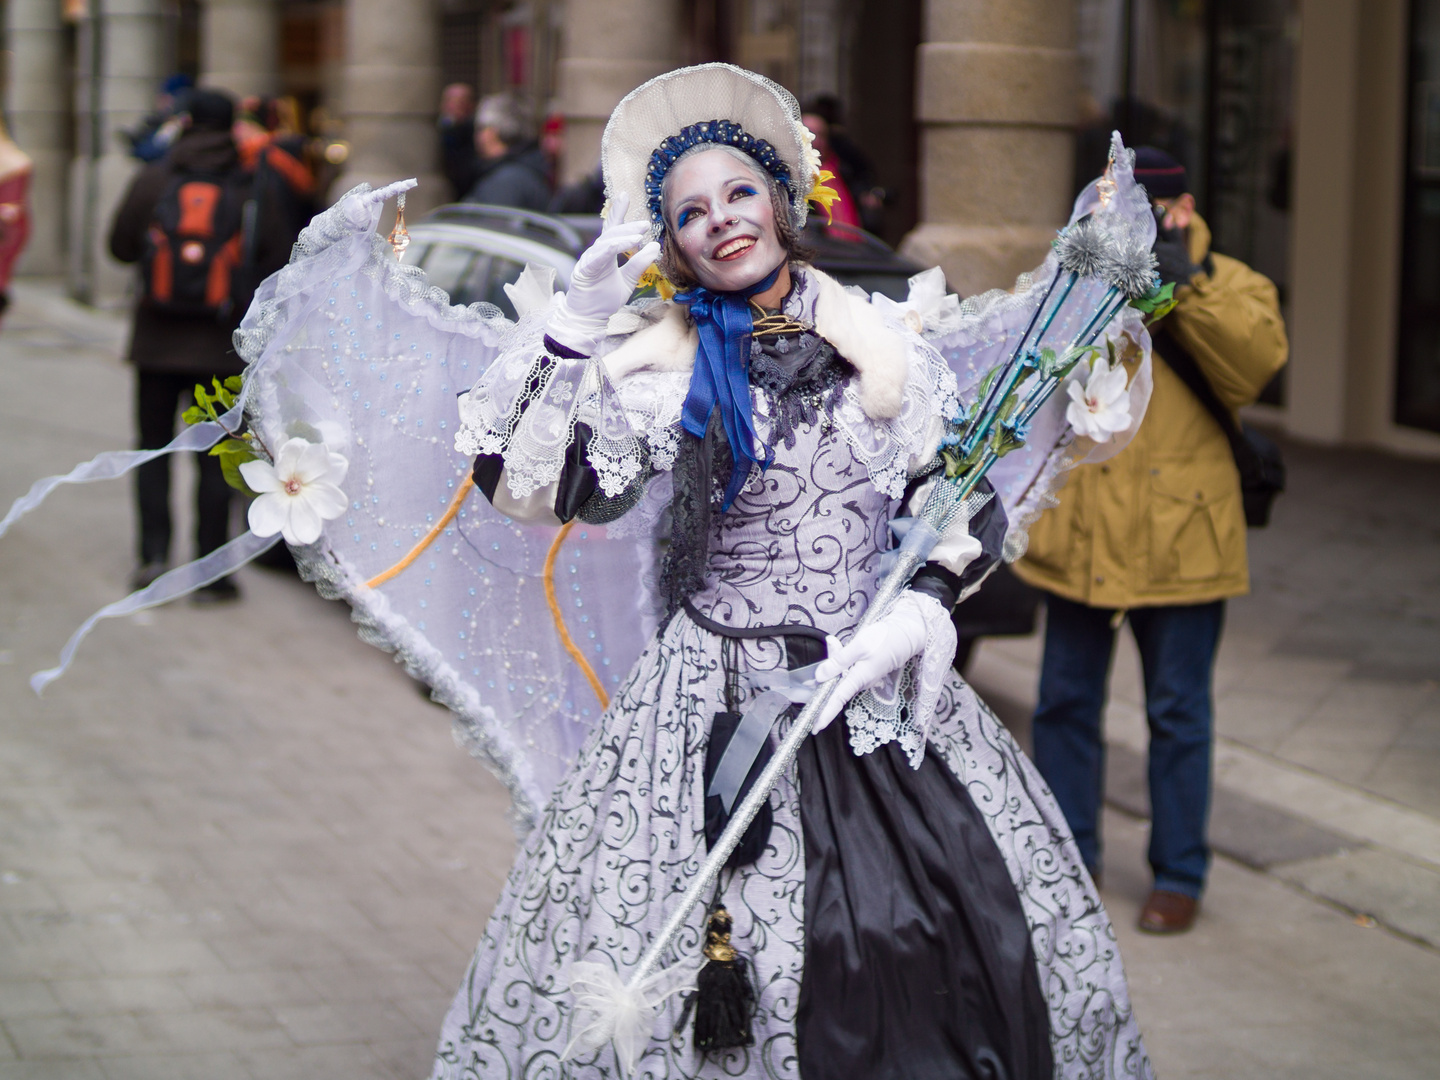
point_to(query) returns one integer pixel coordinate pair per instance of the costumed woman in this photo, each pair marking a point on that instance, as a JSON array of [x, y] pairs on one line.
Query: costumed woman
[[909, 903], [688, 507]]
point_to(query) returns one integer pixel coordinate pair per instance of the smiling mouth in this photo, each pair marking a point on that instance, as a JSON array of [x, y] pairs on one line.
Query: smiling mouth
[[733, 249]]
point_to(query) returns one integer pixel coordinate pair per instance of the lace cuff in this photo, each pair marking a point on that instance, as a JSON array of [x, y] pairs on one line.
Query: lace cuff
[[901, 707]]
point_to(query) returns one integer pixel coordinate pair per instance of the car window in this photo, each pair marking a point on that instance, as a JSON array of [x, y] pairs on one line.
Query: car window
[[447, 266], [473, 285], [502, 272]]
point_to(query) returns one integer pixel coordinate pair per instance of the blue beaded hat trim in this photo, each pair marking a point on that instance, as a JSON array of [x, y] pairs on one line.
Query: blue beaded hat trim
[[721, 132]]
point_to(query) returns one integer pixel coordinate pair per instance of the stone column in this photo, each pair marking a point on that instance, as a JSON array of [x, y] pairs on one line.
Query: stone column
[[124, 53], [610, 47], [995, 99], [392, 94], [35, 100], [240, 46]]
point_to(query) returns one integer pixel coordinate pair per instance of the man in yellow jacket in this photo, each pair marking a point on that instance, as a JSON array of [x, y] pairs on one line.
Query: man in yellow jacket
[[1156, 535]]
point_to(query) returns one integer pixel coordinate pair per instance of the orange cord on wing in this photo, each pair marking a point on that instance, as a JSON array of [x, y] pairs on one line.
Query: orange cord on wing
[[428, 539], [565, 639]]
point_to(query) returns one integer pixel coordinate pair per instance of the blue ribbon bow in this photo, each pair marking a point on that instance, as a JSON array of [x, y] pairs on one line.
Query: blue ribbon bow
[[722, 374]]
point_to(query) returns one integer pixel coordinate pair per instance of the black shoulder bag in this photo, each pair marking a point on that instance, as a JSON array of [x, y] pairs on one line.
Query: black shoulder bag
[[1262, 469]]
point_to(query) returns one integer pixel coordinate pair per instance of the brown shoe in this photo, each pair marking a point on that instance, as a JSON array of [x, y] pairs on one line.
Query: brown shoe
[[1168, 912]]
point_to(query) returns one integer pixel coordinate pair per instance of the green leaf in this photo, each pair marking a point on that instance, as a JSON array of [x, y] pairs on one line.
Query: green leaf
[[985, 384], [194, 415], [233, 446], [1005, 440], [1158, 303], [232, 454], [222, 395], [231, 469], [205, 402], [234, 384]]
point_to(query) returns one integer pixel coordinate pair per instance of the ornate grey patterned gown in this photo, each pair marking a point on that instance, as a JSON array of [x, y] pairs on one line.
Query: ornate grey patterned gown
[[624, 834]]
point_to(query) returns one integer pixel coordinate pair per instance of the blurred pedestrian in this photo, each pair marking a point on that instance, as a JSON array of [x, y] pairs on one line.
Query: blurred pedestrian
[[844, 210], [153, 137], [1156, 536], [552, 145], [15, 171], [272, 148], [203, 242], [513, 169], [459, 158], [852, 164], [584, 196]]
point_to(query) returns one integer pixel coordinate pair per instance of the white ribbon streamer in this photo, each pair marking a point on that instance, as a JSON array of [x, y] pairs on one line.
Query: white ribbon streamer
[[167, 587], [113, 463]]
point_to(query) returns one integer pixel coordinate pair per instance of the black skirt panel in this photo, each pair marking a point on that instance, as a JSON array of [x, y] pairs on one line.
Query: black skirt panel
[[918, 961]]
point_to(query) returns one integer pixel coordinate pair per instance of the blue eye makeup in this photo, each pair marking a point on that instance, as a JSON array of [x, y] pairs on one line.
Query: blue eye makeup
[[686, 215]]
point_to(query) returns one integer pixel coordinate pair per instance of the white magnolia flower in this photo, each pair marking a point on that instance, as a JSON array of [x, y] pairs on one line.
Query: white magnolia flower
[[1101, 406], [298, 493]]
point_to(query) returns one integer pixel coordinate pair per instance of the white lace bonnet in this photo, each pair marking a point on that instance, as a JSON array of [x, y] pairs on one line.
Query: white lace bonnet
[[709, 103]]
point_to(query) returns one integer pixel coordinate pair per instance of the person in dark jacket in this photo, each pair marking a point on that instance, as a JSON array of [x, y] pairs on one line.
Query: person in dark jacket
[[172, 353], [513, 170], [456, 125], [855, 169]]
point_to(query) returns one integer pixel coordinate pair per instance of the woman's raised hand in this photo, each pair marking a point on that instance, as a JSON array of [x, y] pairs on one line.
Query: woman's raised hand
[[599, 287], [871, 654]]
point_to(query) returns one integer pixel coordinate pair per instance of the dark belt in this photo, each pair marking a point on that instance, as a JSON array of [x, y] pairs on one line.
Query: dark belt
[[723, 630]]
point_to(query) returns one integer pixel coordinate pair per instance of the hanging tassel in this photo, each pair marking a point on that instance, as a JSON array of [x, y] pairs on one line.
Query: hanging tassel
[[724, 995]]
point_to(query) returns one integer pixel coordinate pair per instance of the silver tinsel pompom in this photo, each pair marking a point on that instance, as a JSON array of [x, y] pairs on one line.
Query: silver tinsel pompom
[[1132, 267], [1085, 248]]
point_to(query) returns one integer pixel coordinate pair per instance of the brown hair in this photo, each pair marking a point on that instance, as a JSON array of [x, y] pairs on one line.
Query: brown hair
[[672, 261]]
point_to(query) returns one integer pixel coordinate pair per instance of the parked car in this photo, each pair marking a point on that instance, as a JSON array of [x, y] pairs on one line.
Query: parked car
[[472, 251]]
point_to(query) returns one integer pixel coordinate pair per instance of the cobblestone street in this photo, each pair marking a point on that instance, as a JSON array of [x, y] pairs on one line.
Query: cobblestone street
[[236, 842]]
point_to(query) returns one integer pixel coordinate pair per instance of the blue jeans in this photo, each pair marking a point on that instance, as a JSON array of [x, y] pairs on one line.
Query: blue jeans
[[1177, 652]]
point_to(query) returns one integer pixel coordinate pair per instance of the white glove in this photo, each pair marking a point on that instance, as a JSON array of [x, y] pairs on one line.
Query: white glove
[[872, 654], [598, 287]]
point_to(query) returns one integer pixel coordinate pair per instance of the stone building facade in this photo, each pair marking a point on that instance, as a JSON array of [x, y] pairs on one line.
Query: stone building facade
[[1307, 125]]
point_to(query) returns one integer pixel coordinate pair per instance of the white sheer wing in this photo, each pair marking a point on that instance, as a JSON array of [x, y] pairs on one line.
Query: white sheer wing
[[981, 332], [348, 346]]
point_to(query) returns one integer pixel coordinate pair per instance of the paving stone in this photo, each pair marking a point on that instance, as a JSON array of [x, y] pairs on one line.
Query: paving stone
[[95, 997], [68, 1036], [245, 989], [212, 1066], [406, 1057], [30, 997], [350, 1062], [79, 1069], [353, 1021], [1268, 983], [1400, 893]]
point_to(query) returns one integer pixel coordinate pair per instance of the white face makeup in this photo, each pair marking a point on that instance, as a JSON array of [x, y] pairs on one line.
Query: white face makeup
[[720, 212]]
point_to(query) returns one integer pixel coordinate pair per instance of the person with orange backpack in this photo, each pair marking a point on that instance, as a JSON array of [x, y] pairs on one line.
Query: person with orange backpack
[[203, 241]]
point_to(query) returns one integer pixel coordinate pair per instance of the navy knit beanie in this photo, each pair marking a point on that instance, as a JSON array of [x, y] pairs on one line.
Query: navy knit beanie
[[1162, 175], [210, 110]]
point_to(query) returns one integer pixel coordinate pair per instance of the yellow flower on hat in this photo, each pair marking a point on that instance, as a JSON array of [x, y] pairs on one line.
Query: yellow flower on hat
[[653, 278], [823, 195]]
